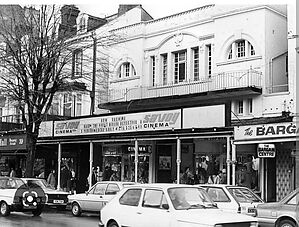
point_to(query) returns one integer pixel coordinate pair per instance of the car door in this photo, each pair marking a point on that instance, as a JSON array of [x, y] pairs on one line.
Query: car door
[[154, 209], [93, 200]]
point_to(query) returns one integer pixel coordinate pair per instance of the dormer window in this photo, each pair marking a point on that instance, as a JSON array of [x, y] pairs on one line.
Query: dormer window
[[126, 70], [240, 49]]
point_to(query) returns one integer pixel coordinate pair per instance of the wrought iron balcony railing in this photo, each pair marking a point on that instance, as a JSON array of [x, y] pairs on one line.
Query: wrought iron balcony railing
[[220, 81]]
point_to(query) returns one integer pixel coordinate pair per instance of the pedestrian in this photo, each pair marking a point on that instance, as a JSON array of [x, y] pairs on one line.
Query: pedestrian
[[65, 177], [107, 173], [12, 172], [52, 179]]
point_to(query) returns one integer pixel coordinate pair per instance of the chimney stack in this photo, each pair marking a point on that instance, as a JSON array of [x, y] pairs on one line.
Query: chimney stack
[[68, 26]]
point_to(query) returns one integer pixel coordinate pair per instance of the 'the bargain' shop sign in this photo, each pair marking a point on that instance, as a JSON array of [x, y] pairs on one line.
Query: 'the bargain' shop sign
[[146, 121], [250, 132]]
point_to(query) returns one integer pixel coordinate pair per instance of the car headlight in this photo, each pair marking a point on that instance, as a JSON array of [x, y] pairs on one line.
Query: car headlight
[[218, 225]]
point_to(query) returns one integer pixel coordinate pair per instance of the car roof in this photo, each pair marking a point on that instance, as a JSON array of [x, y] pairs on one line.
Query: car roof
[[222, 186], [163, 185]]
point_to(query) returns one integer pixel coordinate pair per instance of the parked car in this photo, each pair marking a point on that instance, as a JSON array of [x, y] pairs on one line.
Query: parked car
[[16, 195], [172, 205], [284, 213], [236, 199], [96, 197], [55, 198]]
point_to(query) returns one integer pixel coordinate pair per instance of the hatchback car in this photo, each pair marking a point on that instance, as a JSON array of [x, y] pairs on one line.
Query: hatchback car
[[284, 213], [236, 199], [16, 195], [160, 205], [55, 198], [96, 197]]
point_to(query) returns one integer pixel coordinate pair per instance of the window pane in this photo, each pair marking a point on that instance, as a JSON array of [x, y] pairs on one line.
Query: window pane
[[131, 197], [218, 195], [112, 189], [196, 64], [152, 198], [164, 69], [241, 48], [100, 189], [153, 59]]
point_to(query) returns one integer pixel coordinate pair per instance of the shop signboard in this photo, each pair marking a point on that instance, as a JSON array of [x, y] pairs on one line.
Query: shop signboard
[[46, 129], [134, 122], [12, 142], [266, 151], [266, 131]]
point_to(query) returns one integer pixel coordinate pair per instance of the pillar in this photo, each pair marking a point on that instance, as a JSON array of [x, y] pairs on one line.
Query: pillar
[[59, 166], [178, 159], [234, 161], [136, 161], [90, 163], [228, 160]]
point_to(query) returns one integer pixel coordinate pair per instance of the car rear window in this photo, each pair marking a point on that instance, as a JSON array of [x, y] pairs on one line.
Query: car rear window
[[218, 195], [131, 197]]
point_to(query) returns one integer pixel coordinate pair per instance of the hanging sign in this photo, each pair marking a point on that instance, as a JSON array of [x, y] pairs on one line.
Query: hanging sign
[[266, 151]]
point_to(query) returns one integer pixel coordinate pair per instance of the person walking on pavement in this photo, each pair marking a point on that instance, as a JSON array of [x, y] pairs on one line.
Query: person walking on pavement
[[52, 179]]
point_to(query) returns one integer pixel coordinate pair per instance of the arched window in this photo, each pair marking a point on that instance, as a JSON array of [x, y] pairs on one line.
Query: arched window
[[240, 49], [126, 70]]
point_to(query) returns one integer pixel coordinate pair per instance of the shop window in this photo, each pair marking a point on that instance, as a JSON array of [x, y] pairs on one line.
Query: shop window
[[164, 68], [126, 70], [196, 64], [180, 66], [131, 197]]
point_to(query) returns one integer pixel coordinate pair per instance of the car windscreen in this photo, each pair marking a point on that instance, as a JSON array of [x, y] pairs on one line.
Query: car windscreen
[[40, 182], [185, 198], [10, 183], [244, 195]]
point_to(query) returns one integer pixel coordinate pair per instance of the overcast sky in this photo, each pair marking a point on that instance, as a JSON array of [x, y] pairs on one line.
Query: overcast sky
[[156, 8]]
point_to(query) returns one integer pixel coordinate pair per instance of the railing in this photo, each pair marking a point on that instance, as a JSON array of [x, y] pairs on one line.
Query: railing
[[220, 81]]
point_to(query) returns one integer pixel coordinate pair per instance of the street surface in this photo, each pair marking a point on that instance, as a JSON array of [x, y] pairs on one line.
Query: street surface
[[49, 218]]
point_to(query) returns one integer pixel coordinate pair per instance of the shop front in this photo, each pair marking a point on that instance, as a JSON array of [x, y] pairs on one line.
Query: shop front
[[268, 153], [12, 154], [153, 146]]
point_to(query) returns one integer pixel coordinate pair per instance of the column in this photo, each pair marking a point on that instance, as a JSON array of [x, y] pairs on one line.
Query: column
[[59, 166], [136, 161], [228, 160], [90, 163], [178, 159], [234, 161]]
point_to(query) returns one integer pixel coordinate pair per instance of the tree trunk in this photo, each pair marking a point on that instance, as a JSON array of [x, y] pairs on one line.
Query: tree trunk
[[31, 150]]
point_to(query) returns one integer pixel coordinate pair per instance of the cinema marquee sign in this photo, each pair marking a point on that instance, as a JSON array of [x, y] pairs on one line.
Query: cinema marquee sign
[[146, 121], [268, 131]]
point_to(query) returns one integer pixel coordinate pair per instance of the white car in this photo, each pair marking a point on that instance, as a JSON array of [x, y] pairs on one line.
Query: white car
[[15, 195], [96, 197], [168, 205], [237, 199], [55, 198]]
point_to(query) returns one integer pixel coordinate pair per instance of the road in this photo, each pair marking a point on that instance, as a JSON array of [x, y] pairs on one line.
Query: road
[[49, 218]]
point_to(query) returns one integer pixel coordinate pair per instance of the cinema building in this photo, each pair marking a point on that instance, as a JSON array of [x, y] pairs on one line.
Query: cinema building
[[187, 90]]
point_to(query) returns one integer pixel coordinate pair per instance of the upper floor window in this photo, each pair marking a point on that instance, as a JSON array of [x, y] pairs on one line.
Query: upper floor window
[[82, 24], [240, 107], [126, 70], [180, 65], [72, 105], [240, 49], [153, 61], [250, 106], [164, 68], [195, 64], [77, 63], [209, 59]]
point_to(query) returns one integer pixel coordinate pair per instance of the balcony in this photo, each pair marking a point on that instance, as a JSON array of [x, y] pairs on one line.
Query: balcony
[[220, 81]]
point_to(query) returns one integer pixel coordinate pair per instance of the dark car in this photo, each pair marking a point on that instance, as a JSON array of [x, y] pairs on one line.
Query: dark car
[[284, 213], [16, 195]]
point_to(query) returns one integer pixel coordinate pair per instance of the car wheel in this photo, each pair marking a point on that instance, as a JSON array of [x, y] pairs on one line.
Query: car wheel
[[76, 209], [4, 209], [113, 224], [37, 212], [286, 223]]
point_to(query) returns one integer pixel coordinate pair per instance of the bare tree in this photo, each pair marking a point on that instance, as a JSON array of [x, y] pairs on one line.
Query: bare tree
[[34, 63]]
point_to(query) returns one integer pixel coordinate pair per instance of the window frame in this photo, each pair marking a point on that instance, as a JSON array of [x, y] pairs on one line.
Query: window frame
[[77, 68], [160, 206], [125, 70], [177, 66], [195, 55]]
